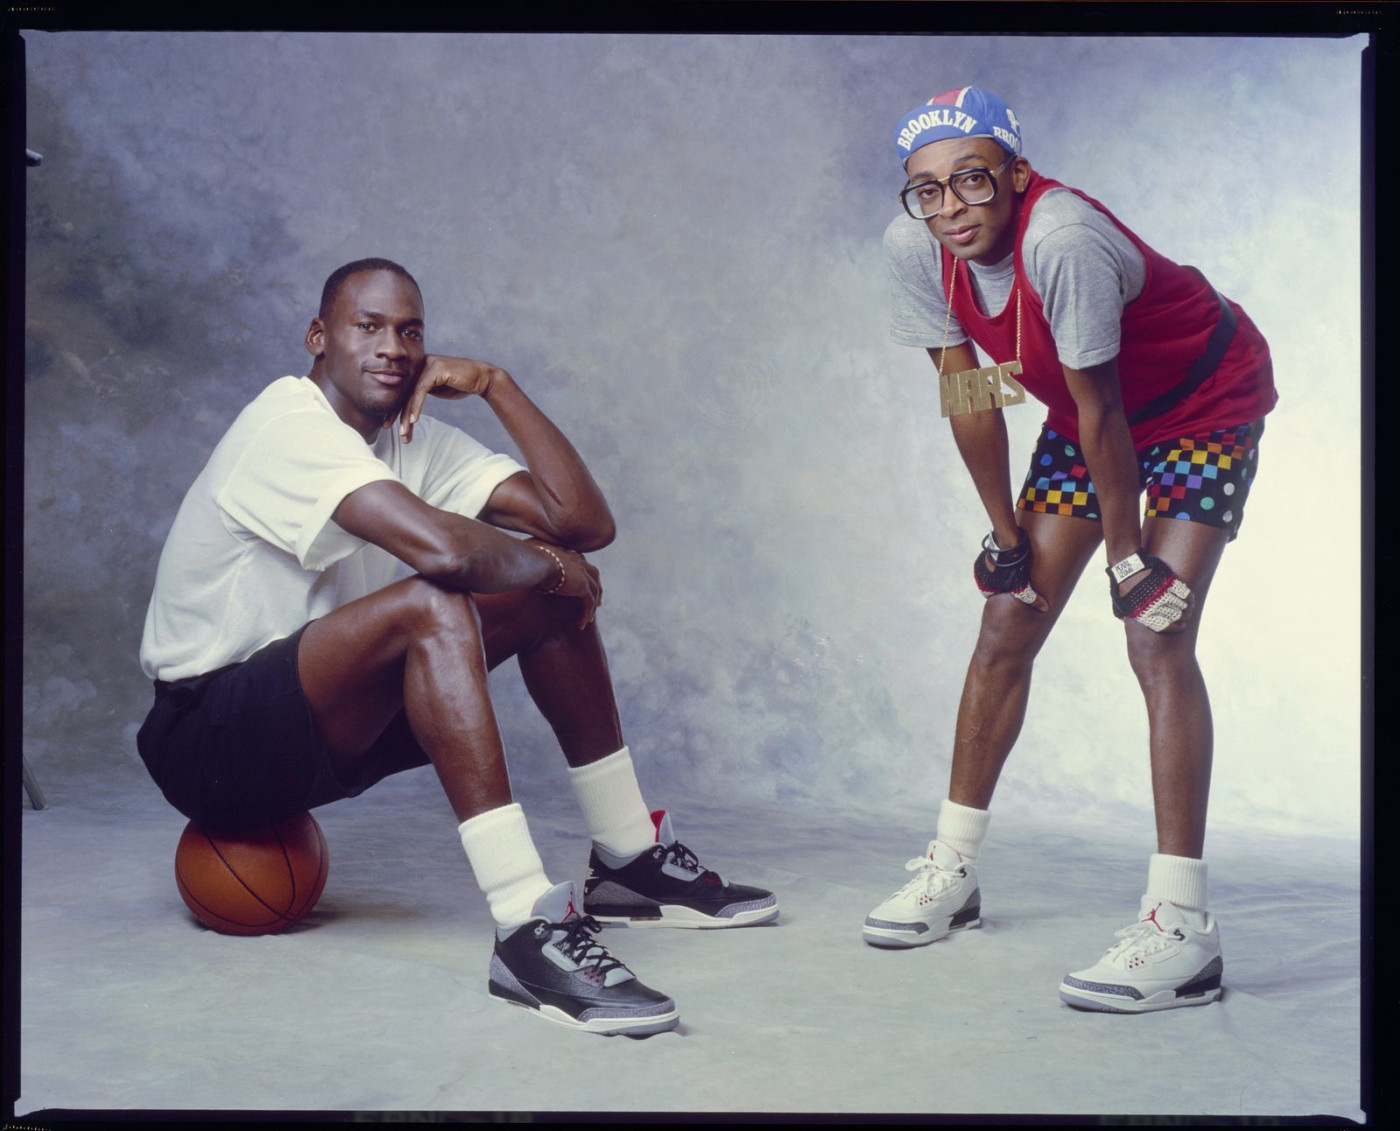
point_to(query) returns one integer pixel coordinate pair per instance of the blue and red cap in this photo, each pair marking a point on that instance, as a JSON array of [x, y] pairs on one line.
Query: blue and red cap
[[969, 112]]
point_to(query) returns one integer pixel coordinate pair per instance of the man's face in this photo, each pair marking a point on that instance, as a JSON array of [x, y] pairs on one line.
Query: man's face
[[369, 348], [984, 233]]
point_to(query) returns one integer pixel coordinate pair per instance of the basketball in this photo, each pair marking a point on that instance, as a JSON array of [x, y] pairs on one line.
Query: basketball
[[252, 881]]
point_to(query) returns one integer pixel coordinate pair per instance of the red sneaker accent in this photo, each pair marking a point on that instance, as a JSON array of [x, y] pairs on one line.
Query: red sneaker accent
[[657, 816]]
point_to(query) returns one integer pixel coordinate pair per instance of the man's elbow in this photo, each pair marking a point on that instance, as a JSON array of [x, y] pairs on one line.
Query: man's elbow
[[454, 556], [452, 568], [1098, 412], [588, 537], [1096, 391], [1098, 404]]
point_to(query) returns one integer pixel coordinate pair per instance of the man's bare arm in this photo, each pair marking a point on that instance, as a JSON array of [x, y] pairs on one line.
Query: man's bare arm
[[1107, 443], [461, 553], [557, 499], [1108, 454], [981, 440], [982, 443]]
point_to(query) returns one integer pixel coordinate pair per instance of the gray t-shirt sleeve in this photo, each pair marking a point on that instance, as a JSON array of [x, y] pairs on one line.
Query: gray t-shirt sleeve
[[914, 280], [1086, 270]]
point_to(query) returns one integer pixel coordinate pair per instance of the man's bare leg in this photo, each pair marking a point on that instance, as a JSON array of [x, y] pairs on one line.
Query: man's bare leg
[[1178, 706], [1174, 932], [944, 895], [997, 687], [565, 669], [425, 650], [419, 648]]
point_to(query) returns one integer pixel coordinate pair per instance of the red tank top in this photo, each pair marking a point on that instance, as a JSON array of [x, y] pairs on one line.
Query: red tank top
[[1164, 330]]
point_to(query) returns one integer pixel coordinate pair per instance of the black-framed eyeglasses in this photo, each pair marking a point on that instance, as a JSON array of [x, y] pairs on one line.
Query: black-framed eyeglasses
[[977, 185]]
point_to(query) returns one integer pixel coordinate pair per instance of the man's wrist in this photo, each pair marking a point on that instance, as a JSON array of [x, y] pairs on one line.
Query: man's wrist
[[1006, 537], [558, 575], [1119, 544], [499, 382]]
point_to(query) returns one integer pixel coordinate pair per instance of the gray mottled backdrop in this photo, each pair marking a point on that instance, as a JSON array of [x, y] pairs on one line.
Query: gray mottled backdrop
[[673, 242]]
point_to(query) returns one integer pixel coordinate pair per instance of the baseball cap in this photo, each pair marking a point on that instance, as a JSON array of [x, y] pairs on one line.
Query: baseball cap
[[969, 112]]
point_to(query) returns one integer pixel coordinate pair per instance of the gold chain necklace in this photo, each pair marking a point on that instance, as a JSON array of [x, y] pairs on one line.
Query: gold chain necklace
[[974, 390]]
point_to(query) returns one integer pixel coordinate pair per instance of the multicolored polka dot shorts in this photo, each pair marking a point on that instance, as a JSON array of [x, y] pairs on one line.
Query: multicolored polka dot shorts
[[1195, 479]]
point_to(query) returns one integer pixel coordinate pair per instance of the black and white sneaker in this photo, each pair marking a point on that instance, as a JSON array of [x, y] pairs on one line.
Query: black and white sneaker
[[666, 886], [551, 964]]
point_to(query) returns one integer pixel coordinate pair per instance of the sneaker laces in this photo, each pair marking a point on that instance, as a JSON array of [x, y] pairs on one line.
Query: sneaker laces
[[1139, 938], [679, 855], [591, 956], [931, 878]]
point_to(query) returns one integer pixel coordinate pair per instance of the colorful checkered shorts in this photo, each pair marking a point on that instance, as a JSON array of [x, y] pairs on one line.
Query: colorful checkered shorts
[[1202, 479]]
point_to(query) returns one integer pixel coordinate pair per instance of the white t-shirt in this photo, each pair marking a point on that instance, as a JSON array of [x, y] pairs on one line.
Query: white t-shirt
[[254, 554], [1080, 263]]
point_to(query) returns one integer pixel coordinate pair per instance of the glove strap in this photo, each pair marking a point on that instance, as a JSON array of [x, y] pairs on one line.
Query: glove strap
[[1125, 569], [1147, 598]]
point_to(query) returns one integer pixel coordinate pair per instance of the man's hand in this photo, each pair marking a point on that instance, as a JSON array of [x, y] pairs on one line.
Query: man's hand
[[579, 578], [999, 571], [1144, 589], [449, 378]]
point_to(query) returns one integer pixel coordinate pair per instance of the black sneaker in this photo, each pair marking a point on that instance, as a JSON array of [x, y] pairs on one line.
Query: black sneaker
[[665, 886], [551, 964]]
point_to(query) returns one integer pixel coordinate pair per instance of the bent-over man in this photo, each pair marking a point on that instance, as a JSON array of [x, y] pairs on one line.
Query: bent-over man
[[1154, 382]]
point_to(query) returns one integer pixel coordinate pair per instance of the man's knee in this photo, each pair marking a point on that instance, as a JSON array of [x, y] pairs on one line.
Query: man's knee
[[1159, 659], [427, 609], [1010, 637], [522, 620]]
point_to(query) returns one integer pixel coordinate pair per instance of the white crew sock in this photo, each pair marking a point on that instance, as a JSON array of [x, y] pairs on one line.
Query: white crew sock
[[962, 828], [1177, 879], [504, 860], [617, 817]]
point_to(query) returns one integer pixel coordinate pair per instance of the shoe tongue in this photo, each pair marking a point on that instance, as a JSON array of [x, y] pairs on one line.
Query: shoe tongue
[[559, 904], [665, 836]]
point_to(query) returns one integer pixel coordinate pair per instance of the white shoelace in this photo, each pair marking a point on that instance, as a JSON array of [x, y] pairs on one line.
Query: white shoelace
[[1139, 938], [931, 879]]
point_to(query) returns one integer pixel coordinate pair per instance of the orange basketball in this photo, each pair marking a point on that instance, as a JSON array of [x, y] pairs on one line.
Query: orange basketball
[[252, 881]]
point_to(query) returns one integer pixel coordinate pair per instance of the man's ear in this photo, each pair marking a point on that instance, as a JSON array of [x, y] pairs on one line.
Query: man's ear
[[1021, 174], [316, 339]]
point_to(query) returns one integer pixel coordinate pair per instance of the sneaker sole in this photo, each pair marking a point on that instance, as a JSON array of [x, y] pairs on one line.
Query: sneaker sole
[[890, 938], [603, 1026], [675, 915], [1092, 1002]]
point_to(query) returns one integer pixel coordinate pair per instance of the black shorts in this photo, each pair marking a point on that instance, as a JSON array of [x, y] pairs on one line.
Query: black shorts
[[239, 746]]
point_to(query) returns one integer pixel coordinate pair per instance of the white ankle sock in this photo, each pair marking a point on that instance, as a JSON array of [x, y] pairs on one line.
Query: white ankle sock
[[504, 860], [962, 828], [613, 809], [1177, 879]]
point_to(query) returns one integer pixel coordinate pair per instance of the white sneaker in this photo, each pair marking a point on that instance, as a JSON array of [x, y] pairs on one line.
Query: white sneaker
[[1169, 957], [943, 897]]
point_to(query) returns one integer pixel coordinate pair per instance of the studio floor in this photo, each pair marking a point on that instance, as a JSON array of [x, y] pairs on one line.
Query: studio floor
[[378, 1002]]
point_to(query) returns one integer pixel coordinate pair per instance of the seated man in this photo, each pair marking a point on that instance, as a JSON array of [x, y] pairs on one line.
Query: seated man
[[292, 670], [1154, 382]]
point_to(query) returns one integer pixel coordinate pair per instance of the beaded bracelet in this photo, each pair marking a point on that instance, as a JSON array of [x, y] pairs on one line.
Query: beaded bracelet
[[563, 573]]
